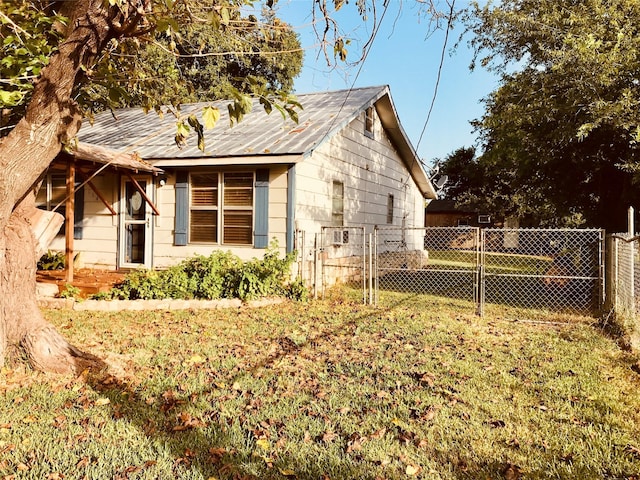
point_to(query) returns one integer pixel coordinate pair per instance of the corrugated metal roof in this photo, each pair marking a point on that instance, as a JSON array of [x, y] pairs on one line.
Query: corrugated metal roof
[[258, 136]]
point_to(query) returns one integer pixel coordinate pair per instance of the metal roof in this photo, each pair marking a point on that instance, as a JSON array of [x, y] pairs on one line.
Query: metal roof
[[259, 138]]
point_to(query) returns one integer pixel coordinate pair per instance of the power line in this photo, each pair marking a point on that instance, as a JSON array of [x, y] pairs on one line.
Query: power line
[[435, 91], [369, 44]]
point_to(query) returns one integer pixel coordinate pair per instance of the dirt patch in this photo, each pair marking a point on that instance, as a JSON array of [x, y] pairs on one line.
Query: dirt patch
[[88, 281]]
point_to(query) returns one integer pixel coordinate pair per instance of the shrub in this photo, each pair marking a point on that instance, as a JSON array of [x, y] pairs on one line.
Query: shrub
[[51, 261], [220, 275]]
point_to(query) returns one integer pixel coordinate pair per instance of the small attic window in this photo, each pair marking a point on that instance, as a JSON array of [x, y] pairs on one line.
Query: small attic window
[[369, 121]]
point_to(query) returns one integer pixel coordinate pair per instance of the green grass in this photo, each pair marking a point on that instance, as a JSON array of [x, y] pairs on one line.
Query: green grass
[[496, 263], [329, 389]]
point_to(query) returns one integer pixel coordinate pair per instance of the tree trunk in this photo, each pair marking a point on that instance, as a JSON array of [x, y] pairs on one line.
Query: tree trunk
[[51, 119], [23, 325]]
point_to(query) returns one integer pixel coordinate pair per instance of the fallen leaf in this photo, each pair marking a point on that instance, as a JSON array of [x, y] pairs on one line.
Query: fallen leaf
[[263, 443], [412, 470], [102, 401], [329, 437], [287, 472], [196, 359]]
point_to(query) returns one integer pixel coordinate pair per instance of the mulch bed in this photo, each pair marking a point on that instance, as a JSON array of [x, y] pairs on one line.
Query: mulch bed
[[88, 281]]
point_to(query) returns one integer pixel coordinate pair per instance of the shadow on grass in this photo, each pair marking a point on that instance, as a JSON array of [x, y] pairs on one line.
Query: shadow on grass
[[199, 445]]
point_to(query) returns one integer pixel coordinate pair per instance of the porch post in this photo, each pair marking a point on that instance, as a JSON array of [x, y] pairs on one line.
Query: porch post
[[69, 219]]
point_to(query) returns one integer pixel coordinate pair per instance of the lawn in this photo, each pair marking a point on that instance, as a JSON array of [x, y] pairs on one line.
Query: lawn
[[494, 262], [327, 390]]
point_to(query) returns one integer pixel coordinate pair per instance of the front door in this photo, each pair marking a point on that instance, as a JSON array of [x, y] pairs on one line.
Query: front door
[[135, 223]]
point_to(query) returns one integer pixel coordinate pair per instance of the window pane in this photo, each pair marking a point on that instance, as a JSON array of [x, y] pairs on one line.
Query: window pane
[[58, 189], [203, 228], [204, 197], [337, 204], [238, 226], [238, 189], [204, 180]]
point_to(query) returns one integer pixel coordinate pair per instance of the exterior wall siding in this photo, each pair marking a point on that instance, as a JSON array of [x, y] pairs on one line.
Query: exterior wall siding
[[165, 253], [370, 170]]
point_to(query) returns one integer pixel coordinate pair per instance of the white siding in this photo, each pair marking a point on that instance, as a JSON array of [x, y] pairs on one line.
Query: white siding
[[370, 170], [165, 253]]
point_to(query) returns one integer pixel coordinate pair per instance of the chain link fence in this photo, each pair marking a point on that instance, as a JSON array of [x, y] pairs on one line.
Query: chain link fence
[[623, 276], [555, 269]]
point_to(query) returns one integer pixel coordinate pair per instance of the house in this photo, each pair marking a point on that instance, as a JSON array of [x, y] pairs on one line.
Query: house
[[445, 213], [346, 162]]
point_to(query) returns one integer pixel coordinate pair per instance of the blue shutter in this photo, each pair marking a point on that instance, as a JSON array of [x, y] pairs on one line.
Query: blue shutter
[[261, 231], [78, 213], [182, 208]]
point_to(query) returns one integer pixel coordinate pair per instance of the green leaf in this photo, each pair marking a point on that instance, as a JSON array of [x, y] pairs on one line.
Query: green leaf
[[210, 116], [268, 107]]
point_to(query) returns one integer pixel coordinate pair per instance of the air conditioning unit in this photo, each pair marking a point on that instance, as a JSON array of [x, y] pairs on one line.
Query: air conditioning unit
[[340, 237], [484, 218]]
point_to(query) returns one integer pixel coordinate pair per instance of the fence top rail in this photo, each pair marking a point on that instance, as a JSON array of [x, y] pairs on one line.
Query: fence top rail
[[533, 229], [465, 228]]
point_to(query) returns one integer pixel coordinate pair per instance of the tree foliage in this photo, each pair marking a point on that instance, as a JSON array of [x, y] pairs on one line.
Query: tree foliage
[[205, 61], [562, 130]]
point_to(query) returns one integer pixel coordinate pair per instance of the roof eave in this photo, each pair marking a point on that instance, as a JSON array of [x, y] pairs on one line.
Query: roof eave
[[389, 118]]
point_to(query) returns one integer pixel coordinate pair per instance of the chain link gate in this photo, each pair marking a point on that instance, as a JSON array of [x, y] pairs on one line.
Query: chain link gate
[[435, 260], [555, 269]]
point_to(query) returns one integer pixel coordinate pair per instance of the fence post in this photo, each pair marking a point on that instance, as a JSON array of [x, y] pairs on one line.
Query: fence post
[[370, 279], [375, 266], [480, 249]]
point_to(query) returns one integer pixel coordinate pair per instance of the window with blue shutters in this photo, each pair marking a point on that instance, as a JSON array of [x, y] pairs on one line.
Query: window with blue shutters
[[225, 208]]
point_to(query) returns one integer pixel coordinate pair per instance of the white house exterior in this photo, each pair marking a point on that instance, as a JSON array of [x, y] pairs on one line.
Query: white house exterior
[[347, 162]]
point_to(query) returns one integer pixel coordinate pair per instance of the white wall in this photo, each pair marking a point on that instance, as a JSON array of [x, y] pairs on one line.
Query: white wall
[[370, 170]]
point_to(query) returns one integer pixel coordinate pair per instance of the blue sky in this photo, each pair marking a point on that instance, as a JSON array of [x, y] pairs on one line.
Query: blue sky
[[406, 58]]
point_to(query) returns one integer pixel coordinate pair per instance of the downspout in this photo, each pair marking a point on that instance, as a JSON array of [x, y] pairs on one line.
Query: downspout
[[291, 207]]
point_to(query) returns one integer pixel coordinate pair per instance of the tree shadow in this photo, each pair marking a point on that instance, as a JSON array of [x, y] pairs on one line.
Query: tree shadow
[[201, 443]]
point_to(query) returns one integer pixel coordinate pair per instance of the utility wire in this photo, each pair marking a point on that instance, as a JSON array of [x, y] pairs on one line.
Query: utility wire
[[364, 58], [435, 91]]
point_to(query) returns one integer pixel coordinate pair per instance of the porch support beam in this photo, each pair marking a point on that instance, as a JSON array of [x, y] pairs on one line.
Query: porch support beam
[[97, 192]]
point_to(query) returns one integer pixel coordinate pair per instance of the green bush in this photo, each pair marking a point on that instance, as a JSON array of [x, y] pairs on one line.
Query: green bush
[[52, 261], [220, 275]]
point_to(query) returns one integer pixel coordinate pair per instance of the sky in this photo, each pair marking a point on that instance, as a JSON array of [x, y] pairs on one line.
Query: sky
[[405, 57]]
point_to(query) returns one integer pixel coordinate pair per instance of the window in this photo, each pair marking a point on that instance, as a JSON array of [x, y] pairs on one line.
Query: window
[[337, 204], [369, 121], [390, 209], [221, 208], [52, 192]]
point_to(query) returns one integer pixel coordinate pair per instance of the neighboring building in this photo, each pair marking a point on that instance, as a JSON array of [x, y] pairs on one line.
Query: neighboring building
[[445, 213], [347, 162]]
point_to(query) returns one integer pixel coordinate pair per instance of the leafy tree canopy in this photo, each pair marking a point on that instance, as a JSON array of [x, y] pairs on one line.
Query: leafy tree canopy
[[560, 135], [173, 53]]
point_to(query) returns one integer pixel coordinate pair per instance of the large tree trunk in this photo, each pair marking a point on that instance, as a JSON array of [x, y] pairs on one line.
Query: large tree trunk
[[51, 119], [22, 323]]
